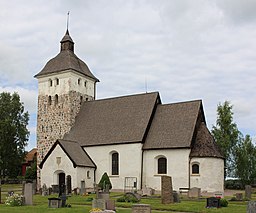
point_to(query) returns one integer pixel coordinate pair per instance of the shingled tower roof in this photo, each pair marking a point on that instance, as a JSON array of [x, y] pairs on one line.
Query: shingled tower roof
[[66, 60]]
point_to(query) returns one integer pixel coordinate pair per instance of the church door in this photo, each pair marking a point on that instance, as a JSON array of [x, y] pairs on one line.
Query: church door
[[61, 183]]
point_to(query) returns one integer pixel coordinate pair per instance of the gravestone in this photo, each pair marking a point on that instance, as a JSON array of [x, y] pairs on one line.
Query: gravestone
[[213, 202], [103, 195], [166, 190], [248, 192], [194, 192], [34, 187], [49, 191], [251, 207], [99, 203], [54, 202], [147, 191], [141, 208], [176, 198], [239, 196], [82, 191], [44, 190], [110, 205], [55, 188], [28, 194]]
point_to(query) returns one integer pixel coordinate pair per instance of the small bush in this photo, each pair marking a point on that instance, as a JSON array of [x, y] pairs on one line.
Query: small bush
[[14, 200], [89, 199], [223, 202], [127, 199], [233, 199], [233, 184], [104, 181]]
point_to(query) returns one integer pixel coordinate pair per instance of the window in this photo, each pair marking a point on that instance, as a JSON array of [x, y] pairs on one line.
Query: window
[[162, 165], [88, 175], [50, 82], [81, 99], [56, 99], [50, 100], [115, 164], [79, 81], [57, 81], [85, 84], [195, 169]]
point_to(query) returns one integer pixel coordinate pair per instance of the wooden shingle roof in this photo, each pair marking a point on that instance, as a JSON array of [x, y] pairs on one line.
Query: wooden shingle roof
[[114, 120], [204, 145], [173, 126]]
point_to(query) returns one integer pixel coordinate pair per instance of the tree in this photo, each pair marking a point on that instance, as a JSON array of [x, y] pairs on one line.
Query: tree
[[245, 161], [13, 134], [226, 135], [31, 172], [104, 181]]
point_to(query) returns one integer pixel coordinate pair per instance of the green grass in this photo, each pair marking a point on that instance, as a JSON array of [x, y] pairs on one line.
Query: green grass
[[81, 204]]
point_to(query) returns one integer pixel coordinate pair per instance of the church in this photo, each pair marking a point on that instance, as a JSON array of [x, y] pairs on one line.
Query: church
[[135, 139]]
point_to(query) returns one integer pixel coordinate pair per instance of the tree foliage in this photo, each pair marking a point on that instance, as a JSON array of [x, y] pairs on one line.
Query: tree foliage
[[245, 161], [13, 134], [31, 172], [104, 181], [226, 135]]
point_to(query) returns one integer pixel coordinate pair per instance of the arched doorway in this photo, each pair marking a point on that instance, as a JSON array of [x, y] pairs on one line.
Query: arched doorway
[[62, 186]]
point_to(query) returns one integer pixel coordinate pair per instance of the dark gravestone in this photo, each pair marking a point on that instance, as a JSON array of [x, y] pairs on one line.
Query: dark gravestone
[[54, 202], [213, 202], [166, 190], [69, 190], [248, 192], [251, 207], [176, 198], [55, 189], [62, 189], [110, 205], [63, 198]]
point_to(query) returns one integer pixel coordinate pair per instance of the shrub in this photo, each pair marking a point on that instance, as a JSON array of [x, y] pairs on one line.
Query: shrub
[[14, 200], [128, 199], [104, 181], [223, 202], [233, 184]]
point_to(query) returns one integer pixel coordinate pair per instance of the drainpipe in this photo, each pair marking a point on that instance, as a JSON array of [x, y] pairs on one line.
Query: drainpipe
[[189, 173]]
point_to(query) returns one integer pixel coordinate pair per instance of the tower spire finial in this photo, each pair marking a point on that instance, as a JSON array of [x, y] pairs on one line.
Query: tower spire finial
[[68, 19]]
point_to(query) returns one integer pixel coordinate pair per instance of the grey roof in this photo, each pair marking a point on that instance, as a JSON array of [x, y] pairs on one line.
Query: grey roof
[[66, 60], [114, 121], [204, 145], [173, 125], [75, 153]]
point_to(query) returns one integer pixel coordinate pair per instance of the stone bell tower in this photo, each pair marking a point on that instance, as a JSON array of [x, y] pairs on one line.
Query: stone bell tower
[[63, 84]]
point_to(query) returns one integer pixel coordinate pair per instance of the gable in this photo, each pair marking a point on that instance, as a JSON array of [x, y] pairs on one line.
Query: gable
[[75, 153], [173, 125], [114, 121]]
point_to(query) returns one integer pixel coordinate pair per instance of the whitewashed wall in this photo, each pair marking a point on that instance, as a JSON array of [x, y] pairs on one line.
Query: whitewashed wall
[[177, 167], [211, 174], [68, 81], [50, 170], [129, 162]]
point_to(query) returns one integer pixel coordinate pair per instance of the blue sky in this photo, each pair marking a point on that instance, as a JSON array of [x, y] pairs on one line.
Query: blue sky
[[186, 50]]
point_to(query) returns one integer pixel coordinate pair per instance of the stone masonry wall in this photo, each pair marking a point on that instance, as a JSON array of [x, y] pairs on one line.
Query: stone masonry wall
[[55, 119]]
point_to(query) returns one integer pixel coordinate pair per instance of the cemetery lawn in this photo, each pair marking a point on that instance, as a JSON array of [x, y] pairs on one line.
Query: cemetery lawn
[[83, 204]]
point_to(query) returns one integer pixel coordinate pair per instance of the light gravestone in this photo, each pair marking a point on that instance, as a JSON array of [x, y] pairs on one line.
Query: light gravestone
[[97, 202], [44, 190], [248, 192], [194, 192], [110, 205], [166, 190], [141, 208], [251, 207], [28, 194]]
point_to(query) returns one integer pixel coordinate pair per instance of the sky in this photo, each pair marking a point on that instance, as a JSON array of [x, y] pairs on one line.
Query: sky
[[185, 49]]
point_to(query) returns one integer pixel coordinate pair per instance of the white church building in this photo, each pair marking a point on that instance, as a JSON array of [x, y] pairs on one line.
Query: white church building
[[132, 138]]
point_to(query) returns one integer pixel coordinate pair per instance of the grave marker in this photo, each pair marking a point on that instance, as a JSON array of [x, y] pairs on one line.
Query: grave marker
[[248, 192], [141, 208], [28, 194], [166, 190], [251, 207], [99, 203]]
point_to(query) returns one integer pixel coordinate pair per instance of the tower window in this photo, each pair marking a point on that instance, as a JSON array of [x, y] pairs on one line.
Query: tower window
[[56, 99], [81, 99], [57, 81], [50, 100], [50, 82], [85, 84], [79, 81]]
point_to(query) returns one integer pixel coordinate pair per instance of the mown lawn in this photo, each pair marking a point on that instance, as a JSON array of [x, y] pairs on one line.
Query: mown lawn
[[83, 204]]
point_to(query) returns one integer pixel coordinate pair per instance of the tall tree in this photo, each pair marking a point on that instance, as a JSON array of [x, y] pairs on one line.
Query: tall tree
[[245, 161], [13, 134], [226, 135]]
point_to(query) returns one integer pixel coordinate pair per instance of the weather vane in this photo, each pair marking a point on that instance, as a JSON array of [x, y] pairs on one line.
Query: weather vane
[[68, 19]]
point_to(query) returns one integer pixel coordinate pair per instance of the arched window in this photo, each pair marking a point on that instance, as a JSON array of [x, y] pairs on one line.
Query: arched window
[[85, 84], [79, 81], [115, 164], [81, 99], [57, 81], [162, 165], [50, 100], [195, 169], [56, 99], [50, 82]]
